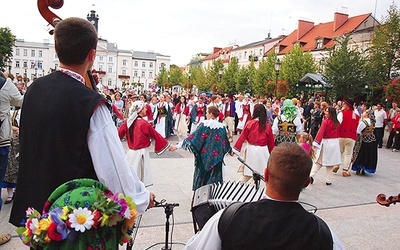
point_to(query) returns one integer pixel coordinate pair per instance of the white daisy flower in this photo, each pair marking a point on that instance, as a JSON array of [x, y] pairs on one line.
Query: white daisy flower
[[81, 219]]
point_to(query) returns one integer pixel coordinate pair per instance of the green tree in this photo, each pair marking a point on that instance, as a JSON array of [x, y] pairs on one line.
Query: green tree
[[384, 53], [265, 73], [242, 80], [295, 65], [229, 78], [345, 69], [176, 76], [385, 49], [214, 77], [7, 40], [252, 71], [199, 79]]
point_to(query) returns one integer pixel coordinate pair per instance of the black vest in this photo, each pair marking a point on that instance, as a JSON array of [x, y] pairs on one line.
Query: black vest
[[268, 224], [55, 118]]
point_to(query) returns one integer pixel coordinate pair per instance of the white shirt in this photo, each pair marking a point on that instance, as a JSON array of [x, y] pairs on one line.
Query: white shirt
[[109, 161], [380, 116], [208, 238]]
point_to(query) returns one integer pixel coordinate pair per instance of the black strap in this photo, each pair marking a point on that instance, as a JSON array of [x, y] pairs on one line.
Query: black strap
[[227, 216], [325, 236], [2, 81]]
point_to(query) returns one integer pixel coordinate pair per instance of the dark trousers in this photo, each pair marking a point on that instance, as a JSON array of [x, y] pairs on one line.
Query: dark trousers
[[391, 137], [3, 167], [236, 123], [397, 139], [378, 132]]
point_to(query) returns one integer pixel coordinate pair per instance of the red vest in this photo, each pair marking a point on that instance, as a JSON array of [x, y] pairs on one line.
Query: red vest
[[348, 127]]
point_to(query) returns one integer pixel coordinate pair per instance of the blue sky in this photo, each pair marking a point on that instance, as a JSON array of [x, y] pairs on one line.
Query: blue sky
[[182, 28]]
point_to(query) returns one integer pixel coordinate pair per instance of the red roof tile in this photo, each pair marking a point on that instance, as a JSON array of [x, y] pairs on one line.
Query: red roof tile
[[323, 30]]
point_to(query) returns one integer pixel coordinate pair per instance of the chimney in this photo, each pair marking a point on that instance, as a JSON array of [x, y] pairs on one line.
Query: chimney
[[303, 28], [339, 19]]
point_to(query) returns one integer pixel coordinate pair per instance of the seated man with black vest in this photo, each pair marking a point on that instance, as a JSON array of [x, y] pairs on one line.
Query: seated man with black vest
[[276, 222]]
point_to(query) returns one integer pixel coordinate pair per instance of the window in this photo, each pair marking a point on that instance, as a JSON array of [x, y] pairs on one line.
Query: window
[[136, 63], [124, 71], [32, 64], [143, 64], [109, 82], [151, 65], [143, 74], [17, 52], [135, 73], [110, 68], [25, 52], [124, 63], [261, 52], [100, 67], [33, 53], [319, 44], [17, 64], [150, 74], [101, 58], [245, 54], [25, 64], [55, 56], [110, 59], [40, 53]]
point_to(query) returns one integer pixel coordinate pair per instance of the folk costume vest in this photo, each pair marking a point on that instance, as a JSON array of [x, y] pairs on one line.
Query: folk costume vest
[[348, 127], [55, 120], [268, 224], [287, 131]]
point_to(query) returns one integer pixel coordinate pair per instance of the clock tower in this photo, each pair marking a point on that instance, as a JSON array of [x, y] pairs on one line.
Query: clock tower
[[94, 19]]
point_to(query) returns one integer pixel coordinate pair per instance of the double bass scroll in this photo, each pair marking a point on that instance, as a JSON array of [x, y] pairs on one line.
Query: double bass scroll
[[382, 200], [53, 19]]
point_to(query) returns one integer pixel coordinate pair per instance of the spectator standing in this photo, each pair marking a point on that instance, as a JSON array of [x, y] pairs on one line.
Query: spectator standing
[[380, 120], [392, 113]]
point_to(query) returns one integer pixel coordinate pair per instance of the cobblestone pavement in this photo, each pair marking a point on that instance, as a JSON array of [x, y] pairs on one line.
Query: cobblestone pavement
[[348, 205]]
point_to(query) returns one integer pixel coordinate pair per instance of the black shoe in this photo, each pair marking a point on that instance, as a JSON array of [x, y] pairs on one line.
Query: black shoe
[[328, 183], [311, 180], [362, 172], [380, 146], [358, 171], [9, 200]]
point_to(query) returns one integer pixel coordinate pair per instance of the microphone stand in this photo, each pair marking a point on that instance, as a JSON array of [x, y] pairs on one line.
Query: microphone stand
[[168, 209], [256, 176]]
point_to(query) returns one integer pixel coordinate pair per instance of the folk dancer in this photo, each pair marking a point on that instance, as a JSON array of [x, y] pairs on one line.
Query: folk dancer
[[198, 114], [247, 107], [365, 152], [139, 134], [161, 118], [181, 115], [258, 133], [286, 126], [209, 144], [229, 111]]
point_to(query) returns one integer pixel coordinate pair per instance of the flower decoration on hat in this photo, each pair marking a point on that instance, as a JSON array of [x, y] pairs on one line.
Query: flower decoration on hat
[[95, 208]]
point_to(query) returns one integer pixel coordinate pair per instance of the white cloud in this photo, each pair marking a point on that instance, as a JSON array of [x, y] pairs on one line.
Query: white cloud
[[182, 28]]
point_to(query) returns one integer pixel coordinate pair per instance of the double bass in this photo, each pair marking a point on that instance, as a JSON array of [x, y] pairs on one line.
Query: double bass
[[52, 19], [382, 200]]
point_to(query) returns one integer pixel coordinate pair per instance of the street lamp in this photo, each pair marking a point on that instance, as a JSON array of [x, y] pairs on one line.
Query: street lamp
[[220, 71], [277, 69], [9, 64]]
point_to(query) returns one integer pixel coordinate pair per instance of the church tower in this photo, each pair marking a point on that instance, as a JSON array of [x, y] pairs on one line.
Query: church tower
[[94, 19]]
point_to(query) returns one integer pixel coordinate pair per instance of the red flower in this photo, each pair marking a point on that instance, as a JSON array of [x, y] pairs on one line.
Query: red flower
[[212, 166], [223, 143], [53, 233], [96, 214], [204, 135], [190, 137], [214, 153], [204, 150], [217, 137]]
